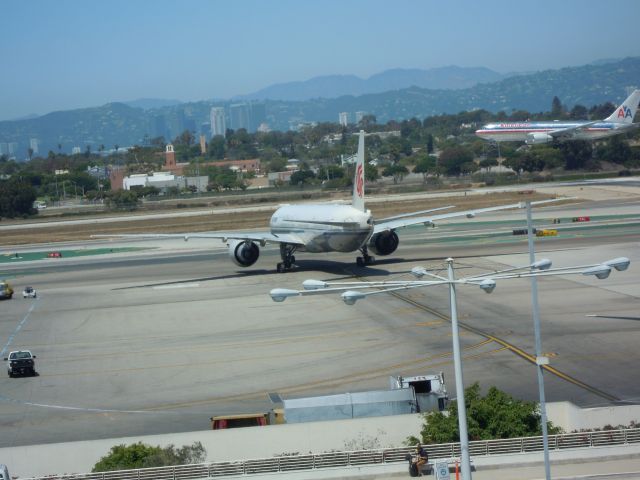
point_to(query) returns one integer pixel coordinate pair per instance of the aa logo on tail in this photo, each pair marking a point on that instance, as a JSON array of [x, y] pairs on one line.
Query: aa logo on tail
[[359, 181], [624, 112]]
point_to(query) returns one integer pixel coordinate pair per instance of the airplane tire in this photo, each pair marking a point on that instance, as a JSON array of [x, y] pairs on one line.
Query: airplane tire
[[360, 261], [280, 267], [370, 260], [293, 260]]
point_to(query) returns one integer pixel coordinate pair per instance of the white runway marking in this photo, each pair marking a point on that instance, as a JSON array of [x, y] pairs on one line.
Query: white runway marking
[[180, 285], [16, 331]]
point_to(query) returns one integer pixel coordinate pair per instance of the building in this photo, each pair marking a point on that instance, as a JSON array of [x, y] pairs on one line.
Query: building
[[258, 116], [252, 164], [359, 116], [343, 118], [116, 177], [218, 123], [76, 151], [164, 181], [34, 143], [4, 148], [240, 116], [279, 177]]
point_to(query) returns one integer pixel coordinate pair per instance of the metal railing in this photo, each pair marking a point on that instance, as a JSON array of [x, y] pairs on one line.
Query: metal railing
[[357, 458]]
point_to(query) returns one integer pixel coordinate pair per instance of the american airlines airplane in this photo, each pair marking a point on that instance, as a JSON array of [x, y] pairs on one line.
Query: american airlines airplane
[[317, 228], [533, 133]]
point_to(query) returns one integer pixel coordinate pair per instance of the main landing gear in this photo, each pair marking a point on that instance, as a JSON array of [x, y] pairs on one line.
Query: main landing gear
[[286, 252], [365, 259]]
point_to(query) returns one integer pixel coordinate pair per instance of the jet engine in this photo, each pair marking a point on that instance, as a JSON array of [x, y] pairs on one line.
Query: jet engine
[[537, 138], [384, 243], [243, 253]]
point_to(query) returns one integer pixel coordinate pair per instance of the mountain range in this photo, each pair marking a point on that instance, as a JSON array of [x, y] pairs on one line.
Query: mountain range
[[332, 86], [134, 123]]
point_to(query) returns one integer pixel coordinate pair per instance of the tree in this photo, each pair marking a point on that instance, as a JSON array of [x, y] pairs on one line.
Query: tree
[[301, 177], [616, 150], [16, 198], [494, 416], [370, 172], [556, 108], [429, 143], [576, 153], [396, 171], [122, 200], [425, 166], [140, 455], [216, 147], [453, 158]]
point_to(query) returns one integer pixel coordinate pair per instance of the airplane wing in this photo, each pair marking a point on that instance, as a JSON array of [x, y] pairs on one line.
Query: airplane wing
[[427, 220], [259, 237], [568, 132]]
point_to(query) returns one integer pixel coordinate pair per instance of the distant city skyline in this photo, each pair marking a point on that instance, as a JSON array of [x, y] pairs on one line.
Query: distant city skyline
[[73, 54]]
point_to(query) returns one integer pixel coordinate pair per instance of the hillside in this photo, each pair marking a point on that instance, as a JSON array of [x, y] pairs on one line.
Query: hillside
[[119, 124]]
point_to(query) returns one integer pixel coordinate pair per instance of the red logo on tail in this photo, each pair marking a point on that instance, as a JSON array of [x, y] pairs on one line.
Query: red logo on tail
[[359, 181]]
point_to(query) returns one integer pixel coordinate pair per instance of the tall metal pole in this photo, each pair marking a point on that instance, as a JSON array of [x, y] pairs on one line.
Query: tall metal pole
[[540, 361], [457, 364]]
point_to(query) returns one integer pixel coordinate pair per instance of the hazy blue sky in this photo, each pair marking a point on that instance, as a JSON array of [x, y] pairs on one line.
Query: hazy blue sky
[[64, 54]]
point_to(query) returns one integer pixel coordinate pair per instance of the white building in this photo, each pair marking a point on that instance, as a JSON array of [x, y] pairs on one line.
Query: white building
[[359, 116], [218, 123], [343, 118], [34, 143], [165, 180]]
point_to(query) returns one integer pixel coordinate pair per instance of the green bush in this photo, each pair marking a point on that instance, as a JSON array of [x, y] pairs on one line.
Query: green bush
[[140, 455], [496, 415]]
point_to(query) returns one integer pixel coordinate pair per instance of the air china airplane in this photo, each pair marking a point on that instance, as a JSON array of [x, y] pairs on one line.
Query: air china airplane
[[317, 228], [533, 133]]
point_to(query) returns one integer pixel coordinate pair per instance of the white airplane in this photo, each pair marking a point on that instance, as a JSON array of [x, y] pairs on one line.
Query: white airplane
[[533, 133], [318, 228]]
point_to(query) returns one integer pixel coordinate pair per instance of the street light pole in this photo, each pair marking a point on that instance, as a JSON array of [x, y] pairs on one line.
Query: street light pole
[[457, 363], [540, 361], [354, 291]]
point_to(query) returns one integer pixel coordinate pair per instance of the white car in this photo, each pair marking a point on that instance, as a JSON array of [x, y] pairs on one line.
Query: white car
[[29, 292]]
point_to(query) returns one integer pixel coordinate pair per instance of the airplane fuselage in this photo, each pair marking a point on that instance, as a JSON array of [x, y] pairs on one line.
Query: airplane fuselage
[[324, 228], [523, 131]]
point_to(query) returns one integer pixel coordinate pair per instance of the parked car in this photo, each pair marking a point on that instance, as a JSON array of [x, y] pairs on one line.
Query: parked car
[[20, 362], [29, 292]]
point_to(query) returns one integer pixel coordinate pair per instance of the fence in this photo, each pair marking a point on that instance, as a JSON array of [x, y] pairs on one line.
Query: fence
[[361, 457]]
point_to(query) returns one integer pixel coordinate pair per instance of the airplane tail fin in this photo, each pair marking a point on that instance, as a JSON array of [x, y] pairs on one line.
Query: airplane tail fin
[[625, 112], [357, 200]]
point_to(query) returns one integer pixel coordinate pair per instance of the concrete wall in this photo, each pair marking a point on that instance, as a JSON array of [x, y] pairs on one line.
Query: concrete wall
[[233, 444], [262, 442], [570, 417]]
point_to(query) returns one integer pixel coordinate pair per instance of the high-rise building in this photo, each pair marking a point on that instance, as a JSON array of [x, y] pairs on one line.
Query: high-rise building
[[359, 116], [34, 144], [240, 116], [343, 118], [4, 148], [13, 149], [258, 116], [218, 123]]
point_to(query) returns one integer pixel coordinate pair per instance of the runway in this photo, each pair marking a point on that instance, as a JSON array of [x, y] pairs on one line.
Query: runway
[[158, 341]]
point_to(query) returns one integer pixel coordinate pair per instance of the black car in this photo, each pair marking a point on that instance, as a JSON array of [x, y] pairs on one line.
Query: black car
[[20, 363]]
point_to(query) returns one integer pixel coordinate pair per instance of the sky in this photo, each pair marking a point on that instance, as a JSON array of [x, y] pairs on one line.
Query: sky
[[66, 54]]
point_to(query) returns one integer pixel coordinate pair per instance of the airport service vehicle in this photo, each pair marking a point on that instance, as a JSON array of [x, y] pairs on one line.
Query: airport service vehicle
[[323, 228], [5, 290], [20, 362], [29, 292], [532, 133]]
